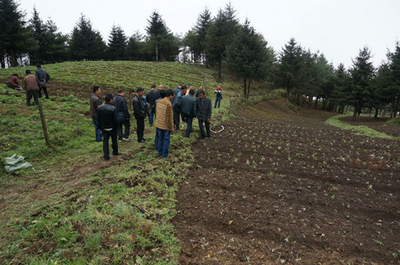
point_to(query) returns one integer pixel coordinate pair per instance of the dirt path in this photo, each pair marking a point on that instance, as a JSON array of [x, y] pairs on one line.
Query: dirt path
[[289, 189]]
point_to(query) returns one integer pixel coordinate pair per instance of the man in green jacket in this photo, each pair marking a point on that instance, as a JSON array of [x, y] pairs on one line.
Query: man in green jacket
[[189, 110]]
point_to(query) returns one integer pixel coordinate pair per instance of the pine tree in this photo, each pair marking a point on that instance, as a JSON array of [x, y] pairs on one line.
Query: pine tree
[[117, 44], [86, 43], [156, 30], [200, 29], [248, 57], [361, 76], [13, 34], [290, 70]]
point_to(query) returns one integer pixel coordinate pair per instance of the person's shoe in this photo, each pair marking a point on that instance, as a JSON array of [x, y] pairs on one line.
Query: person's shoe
[[120, 140], [208, 137], [142, 141], [204, 139], [118, 154], [126, 139], [106, 158]]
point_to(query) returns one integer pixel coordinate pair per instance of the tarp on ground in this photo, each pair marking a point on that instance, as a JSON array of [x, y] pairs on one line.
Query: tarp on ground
[[15, 162]]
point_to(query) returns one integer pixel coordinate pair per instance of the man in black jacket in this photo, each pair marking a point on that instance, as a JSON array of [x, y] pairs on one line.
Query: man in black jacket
[[189, 110], [151, 98], [139, 113], [43, 77], [108, 124], [123, 115], [204, 110]]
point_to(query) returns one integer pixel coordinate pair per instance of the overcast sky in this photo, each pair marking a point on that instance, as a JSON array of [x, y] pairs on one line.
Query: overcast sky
[[336, 28]]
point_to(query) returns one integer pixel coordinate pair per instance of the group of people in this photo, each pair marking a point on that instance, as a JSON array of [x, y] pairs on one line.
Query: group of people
[[164, 109], [33, 84]]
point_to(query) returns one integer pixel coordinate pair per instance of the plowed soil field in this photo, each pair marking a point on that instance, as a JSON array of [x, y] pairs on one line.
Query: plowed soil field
[[278, 188]]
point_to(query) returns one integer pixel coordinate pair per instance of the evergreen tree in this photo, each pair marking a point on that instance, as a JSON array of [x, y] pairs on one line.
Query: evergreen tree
[[193, 50], [39, 35], [156, 30], [86, 43], [13, 34], [137, 48], [342, 87], [248, 57], [117, 45], [290, 70], [56, 44], [361, 76], [200, 29], [219, 35]]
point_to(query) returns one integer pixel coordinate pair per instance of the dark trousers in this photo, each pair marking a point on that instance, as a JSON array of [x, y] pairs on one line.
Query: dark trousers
[[151, 118], [127, 125], [163, 142], [96, 129], [217, 100], [45, 92], [189, 122], [106, 136], [140, 129], [30, 94], [201, 126], [176, 119], [156, 139]]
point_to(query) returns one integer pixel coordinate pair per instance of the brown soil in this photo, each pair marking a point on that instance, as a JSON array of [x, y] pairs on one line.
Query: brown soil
[[277, 188]]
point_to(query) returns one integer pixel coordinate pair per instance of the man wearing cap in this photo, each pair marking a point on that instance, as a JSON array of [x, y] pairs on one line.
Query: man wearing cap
[[31, 87]]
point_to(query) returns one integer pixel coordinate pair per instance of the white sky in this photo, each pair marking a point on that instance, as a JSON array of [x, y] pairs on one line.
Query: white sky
[[336, 28]]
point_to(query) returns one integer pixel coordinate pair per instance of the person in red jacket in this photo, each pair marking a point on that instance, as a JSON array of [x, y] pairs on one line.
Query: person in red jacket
[[13, 83]]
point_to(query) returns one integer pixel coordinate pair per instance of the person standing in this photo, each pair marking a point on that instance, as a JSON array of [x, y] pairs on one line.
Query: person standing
[[176, 106], [139, 113], [218, 96], [95, 102], [164, 123], [151, 98], [123, 116], [189, 110], [13, 83], [32, 88], [198, 91], [43, 77], [204, 111], [157, 92], [108, 124], [153, 110], [176, 113]]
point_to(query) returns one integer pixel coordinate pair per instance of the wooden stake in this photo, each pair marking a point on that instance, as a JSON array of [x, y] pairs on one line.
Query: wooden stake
[[44, 126]]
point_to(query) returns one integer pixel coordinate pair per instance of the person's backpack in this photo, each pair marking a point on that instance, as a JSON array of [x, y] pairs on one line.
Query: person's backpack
[[43, 84]]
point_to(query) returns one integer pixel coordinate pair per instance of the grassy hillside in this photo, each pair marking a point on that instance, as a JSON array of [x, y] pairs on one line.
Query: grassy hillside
[[76, 208]]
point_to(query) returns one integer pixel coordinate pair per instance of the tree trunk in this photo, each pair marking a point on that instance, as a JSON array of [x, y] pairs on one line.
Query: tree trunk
[[219, 70], [376, 113], [391, 107], [396, 108], [44, 126], [287, 98], [248, 88], [156, 50], [316, 102], [245, 87], [355, 112]]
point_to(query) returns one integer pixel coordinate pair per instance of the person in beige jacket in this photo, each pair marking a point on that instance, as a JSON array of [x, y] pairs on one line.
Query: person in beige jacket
[[31, 87], [164, 123]]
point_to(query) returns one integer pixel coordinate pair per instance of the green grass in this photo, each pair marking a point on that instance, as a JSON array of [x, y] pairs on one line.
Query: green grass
[[360, 129], [72, 211]]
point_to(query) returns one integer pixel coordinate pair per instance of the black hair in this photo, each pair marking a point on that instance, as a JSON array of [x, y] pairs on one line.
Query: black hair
[[202, 92], [163, 93], [120, 91], [139, 89], [15, 74], [153, 86], [132, 91], [27, 71], [191, 91], [95, 88], [38, 65], [109, 97], [169, 92], [184, 87]]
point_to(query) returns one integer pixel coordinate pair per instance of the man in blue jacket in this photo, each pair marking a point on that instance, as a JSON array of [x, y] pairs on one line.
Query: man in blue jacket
[[43, 77], [189, 110], [123, 116], [204, 111], [176, 117]]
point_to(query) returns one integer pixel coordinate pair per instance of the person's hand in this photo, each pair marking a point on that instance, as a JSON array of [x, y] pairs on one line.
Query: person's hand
[[172, 132], [208, 120]]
